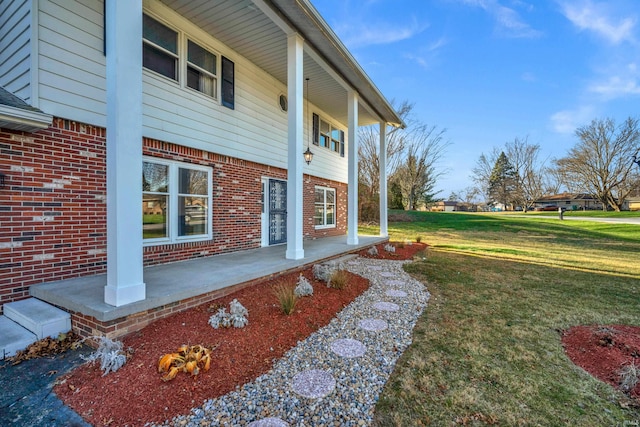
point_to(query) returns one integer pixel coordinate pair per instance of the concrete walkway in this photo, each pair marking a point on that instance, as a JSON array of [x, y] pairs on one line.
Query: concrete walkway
[[169, 283]]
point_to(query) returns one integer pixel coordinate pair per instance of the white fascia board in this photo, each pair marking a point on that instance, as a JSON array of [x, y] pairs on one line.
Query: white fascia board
[[25, 120]]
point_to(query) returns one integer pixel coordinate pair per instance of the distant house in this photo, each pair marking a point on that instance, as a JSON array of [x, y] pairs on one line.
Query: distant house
[[445, 206], [142, 132], [634, 203], [568, 201]]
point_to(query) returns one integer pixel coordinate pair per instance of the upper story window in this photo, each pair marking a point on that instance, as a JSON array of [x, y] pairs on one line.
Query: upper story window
[[328, 136], [174, 55], [201, 69], [159, 48]]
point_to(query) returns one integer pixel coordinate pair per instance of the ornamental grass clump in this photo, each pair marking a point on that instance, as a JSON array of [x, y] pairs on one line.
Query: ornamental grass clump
[[110, 353], [629, 377], [287, 298], [236, 317], [339, 280], [303, 288]]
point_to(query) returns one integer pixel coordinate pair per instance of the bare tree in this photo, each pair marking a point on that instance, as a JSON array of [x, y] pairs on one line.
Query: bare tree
[[601, 162], [482, 172], [530, 172], [417, 175], [369, 156]]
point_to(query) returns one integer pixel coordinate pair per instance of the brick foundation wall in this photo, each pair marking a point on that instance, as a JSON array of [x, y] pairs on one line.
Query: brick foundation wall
[[53, 206]]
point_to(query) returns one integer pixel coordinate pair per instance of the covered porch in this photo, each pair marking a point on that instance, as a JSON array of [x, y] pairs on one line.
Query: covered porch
[[177, 286]]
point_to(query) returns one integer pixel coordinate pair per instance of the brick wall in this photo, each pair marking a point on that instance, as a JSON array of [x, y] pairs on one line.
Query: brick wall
[[53, 206]]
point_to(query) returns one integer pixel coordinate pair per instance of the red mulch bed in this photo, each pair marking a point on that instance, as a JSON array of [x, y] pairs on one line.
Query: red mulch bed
[[136, 394], [403, 251], [604, 350]]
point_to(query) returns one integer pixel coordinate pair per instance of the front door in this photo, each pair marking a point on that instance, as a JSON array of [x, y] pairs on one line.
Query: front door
[[274, 222]]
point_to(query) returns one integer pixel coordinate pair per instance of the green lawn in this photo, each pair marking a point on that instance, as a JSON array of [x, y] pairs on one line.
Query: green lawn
[[487, 348]]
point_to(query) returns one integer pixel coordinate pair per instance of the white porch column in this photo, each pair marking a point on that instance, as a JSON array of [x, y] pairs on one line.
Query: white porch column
[[295, 138], [352, 180], [384, 232], [124, 153]]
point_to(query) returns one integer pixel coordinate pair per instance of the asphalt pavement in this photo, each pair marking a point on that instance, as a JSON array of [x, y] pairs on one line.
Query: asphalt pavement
[[26, 391]]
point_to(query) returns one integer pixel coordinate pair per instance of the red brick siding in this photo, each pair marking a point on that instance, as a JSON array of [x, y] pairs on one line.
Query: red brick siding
[[53, 206], [52, 209]]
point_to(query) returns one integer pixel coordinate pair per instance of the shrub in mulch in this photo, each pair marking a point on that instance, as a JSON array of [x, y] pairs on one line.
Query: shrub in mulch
[[403, 251]]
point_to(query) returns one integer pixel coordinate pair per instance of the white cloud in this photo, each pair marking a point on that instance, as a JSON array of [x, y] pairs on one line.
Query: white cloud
[[355, 36], [567, 121], [428, 55], [597, 18], [509, 22], [528, 76], [616, 87]]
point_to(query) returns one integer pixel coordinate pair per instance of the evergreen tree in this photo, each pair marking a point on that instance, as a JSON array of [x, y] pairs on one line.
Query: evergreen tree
[[503, 183]]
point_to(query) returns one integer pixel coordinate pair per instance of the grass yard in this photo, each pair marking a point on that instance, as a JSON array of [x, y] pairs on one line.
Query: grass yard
[[487, 349]]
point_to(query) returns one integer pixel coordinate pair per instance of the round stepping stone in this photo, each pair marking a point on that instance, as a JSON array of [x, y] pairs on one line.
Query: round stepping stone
[[269, 422], [313, 383], [373, 324], [386, 306], [395, 282], [387, 274], [348, 348], [395, 293]]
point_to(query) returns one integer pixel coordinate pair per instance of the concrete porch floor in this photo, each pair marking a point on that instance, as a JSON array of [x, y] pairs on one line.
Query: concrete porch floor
[[169, 283]]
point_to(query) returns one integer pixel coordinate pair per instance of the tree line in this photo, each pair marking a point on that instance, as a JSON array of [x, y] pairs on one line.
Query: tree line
[[602, 164]]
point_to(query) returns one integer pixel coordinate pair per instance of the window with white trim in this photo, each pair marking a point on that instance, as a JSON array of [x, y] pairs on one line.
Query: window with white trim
[[176, 202], [159, 48], [176, 55], [325, 207], [328, 136], [201, 69]]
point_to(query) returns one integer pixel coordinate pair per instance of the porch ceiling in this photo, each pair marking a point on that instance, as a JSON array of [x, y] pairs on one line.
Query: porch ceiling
[[243, 26]]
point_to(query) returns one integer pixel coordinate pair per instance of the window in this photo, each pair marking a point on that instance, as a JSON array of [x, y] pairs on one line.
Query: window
[[176, 202], [325, 207], [327, 136], [159, 48], [174, 55], [201, 69]]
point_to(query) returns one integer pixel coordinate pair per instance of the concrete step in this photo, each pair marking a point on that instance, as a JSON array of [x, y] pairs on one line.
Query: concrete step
[[13, 337], [37, 316]]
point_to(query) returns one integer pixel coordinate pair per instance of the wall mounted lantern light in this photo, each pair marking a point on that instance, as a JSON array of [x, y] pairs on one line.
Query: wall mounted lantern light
[[308, 155]]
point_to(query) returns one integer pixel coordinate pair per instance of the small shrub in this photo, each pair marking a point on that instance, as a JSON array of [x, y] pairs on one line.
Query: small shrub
[[629, 377], [304, 287], [390, 248], [236, 317], [110, 354], [339, 280], [286, 296], [418, 239], [400, 245], [323, 272], [373, 251]]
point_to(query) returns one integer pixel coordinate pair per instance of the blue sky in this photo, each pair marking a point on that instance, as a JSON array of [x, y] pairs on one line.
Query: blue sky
[[492, 70]]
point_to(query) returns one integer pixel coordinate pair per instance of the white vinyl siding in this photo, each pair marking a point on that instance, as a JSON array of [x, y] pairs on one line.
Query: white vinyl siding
[[73, 86], [72, 63], [15, 47]]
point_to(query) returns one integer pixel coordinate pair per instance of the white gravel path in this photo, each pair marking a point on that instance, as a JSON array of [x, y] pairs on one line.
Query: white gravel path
[[335, 376]]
